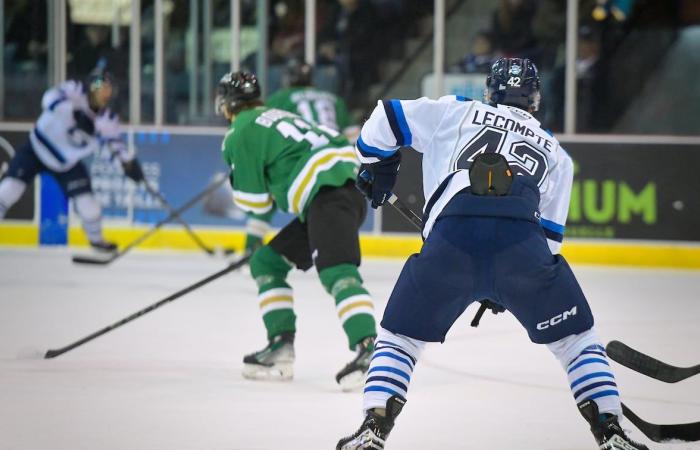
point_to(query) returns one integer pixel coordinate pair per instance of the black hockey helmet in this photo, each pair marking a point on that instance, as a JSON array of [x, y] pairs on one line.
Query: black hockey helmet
[[100, 86], [298, 73], [514, 82], [235, 89]]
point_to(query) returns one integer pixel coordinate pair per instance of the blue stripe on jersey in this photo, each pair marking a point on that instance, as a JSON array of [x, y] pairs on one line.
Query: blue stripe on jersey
[[393, 370], [393, 122], [462, 98], [393, 356], [588, 361], [368, 150], [49, 146], [592, 386], [553, 230], [403, 125], [591, 376], [382, 389], [389, 380], [56, 102]]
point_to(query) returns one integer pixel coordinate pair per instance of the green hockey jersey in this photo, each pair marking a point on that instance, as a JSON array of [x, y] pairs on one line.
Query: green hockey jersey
[[279, 158], [312, 104]]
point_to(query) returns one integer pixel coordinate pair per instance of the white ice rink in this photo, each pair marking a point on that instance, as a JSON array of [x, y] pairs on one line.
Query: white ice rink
[[171, 380]]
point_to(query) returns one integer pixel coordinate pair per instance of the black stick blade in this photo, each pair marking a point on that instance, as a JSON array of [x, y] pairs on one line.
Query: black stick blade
[[84, 259], [52, 354], [688, 432], [646, 365]]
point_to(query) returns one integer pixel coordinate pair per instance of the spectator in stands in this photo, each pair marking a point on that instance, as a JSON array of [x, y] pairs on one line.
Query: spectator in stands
[[479, 59], [512, 28], [350, 40]]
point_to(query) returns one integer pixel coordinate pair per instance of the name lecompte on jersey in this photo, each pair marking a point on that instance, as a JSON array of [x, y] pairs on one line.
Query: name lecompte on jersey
[[484, 118]]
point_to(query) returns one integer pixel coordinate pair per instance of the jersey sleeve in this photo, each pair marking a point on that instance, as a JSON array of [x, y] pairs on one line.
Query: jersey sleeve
[[250, 190], [342, 115], [398, 123], [555, 207]]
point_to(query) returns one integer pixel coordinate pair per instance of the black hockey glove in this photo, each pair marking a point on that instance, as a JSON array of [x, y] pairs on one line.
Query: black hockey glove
[[83, 122], [377, 180], [133, 170]]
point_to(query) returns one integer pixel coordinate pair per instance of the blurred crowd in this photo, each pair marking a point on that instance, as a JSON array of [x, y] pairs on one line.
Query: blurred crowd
[[354, 39]]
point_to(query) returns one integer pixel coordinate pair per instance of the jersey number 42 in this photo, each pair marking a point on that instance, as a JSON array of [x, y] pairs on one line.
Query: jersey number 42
[[522, 156]]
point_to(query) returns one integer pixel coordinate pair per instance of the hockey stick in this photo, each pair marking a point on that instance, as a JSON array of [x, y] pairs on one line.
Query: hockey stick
[[230, 268], [405, 211], [688, 432], [644, 364], [177, 217], [104, 261]]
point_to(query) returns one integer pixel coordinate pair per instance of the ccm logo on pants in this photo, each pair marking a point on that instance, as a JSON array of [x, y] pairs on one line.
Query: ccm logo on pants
[[556, 320]]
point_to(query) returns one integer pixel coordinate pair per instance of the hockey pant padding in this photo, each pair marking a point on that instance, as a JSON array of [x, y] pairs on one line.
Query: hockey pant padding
[[590, 376], [90, 212], [11, 189], [353, 303], [270, 270], [391, 368]]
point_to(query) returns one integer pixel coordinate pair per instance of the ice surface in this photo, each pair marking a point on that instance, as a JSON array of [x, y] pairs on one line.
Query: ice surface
[[171, 380]]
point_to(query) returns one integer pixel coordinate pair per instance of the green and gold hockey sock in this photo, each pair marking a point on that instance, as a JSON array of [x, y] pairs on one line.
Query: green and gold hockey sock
[[274, 294], [352, 301]]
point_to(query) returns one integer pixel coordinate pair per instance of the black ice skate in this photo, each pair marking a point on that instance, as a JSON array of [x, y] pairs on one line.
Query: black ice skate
[[352, 376], [274, 362], [607, 430], [375, 429]]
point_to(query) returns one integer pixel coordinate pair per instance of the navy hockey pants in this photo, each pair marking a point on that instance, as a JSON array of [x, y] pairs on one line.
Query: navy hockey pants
[[467, 259]]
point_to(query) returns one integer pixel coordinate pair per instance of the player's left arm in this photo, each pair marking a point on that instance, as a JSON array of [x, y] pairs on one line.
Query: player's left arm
[[555, 207]]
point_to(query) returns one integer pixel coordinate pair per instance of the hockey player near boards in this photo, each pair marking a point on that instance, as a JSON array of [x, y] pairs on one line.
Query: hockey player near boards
[[279, 159], [75, 122], [498, 189]]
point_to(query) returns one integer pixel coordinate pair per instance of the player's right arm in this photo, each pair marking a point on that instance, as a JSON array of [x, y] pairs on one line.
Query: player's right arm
[[399, 123], [250, 189]]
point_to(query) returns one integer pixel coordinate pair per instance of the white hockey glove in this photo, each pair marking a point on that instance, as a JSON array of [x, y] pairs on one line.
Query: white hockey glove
[[74, 93], [107, 126]]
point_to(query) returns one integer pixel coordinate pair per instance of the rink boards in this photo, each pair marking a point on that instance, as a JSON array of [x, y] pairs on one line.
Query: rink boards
[[633, 201]]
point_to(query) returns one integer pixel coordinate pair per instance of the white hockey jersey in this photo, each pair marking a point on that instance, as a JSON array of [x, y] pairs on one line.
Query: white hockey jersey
[[451, 131], [57, 140]]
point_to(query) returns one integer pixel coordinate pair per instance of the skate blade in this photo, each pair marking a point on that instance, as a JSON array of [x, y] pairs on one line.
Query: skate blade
[[352, 381], [278, 372]]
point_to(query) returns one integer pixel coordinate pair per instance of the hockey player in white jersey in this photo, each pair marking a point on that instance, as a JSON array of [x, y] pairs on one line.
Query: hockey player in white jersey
[[75, 122], [497, 188]]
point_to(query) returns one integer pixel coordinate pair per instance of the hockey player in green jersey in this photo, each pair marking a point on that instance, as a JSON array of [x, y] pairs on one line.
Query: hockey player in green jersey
[[314, 105], [278, 159]]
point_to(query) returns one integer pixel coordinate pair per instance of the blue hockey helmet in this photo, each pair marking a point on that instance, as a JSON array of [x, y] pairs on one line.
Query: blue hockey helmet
[[514, 82]]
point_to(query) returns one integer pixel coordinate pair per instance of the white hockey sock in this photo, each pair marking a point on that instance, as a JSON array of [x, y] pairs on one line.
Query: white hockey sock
[[90, 212], [391, 368], [11, 189], [587, 367]]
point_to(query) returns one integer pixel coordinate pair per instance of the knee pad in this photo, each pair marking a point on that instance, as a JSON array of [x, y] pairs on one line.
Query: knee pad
[[11, 189], [267, 265], [87, 207], [338, 278]]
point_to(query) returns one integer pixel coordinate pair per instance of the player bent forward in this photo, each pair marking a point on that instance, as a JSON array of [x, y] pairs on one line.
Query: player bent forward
[[279, 158], [489, 235]]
